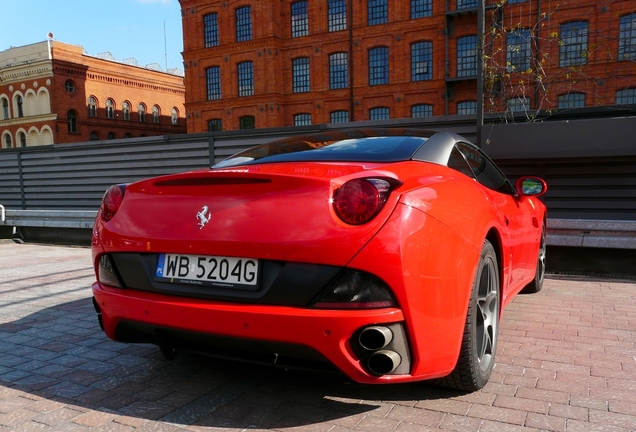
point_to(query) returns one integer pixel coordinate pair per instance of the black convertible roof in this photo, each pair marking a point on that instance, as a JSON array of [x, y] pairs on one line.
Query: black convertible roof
[[352, 145]]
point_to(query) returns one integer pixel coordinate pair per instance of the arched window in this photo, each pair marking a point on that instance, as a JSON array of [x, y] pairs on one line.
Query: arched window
[[127, 135], [175, 116], [111, 135], [215, 125], [20, 108], [72, 121], [92, 106], [141, 111], [110, 109], [8, 143], [94, 136], [22, 139], [247, 122], [379, 113], [5, 109], [125, 110], [302, 119], [156, 112]]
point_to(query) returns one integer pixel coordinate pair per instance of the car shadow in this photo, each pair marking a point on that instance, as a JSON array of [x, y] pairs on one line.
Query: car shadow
[[60, 354]]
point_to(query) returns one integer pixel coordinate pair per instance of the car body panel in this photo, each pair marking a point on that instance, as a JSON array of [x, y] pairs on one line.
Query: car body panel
[[424, 245]]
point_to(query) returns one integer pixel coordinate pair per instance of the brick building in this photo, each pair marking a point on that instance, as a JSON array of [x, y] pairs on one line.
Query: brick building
[[273, 63], [52, 92]]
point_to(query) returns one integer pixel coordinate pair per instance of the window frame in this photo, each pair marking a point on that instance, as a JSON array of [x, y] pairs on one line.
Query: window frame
[[245, 78], [377, 12], [378, 65], [421, 53], [247, 122], [299, 17], [302, 119], [379, 113], [336, 15], [467, 56], [627, 38], [518, 50], [213, 83], [573, 49], [301, 80], [421, 9], [243, 19], [339, 116], [211, 30], [338, 70]]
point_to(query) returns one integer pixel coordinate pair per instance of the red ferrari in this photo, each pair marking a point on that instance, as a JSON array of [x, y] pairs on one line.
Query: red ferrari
[[388, 255]]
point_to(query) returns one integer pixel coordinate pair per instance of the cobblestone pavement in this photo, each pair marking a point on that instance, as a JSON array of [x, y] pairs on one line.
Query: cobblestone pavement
[[566, 362]]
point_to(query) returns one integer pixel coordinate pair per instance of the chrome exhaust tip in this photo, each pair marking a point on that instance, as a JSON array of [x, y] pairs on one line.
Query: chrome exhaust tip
[[383, 362], [375, 338]]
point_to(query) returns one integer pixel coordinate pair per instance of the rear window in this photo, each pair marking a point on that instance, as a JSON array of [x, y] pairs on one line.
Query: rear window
[[367, 149]]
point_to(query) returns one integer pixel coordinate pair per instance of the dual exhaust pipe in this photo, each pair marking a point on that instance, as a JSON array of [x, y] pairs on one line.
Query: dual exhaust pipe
[[382, 360]]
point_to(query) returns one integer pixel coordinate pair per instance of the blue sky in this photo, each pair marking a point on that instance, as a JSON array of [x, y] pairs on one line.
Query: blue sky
[[125, 28]]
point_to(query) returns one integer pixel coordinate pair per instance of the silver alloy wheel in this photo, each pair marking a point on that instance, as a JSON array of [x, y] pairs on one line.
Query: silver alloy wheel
[[488, 316], [541, 259]]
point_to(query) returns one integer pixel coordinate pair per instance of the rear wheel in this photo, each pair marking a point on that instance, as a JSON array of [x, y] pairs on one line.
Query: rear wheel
[[537, 283], [477, 354]]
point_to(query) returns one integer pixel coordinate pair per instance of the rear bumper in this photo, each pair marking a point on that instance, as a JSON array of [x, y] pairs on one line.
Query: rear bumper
[[136, 316]]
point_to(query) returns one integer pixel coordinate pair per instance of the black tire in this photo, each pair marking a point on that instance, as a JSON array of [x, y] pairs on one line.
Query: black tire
[[479, 344], [537, 283]]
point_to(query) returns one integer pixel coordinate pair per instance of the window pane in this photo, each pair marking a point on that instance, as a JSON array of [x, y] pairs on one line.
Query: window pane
[[467, 56], [467, 4], [380, 113], [337, 15], [627, 96], [243, 23], [627, 38], [210, 30], [422, 110], [302, 119], [518, 104], [338, 71], [300, 75], [518, 50], [339, 117], [378, 66], [421, 8], [247, 122], [573, 44], [299, 19], [468, 107], [378, 12], [245, 79], [215, 125], [213, 82], [421, 61], [572, 100]]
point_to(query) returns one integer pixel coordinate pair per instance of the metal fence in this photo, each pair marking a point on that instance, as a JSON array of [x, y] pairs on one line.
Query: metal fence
[[590, 167]]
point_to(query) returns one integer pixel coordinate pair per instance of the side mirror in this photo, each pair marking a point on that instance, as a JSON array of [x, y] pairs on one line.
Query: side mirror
[[531, 186]]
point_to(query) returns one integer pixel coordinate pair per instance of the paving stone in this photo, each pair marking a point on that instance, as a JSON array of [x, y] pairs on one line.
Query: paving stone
[[565, 363]]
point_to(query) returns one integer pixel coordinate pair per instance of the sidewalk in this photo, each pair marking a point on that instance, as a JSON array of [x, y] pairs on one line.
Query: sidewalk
[[566, 362]]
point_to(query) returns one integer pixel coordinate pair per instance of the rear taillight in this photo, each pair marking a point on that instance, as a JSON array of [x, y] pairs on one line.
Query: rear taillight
[[112, 201], [359, 200]]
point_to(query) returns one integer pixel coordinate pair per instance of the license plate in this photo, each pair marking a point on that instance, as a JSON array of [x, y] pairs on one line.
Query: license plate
[[208, 270]]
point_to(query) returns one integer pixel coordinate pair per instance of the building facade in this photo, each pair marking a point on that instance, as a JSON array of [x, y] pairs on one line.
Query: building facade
[[272, 63], [53, 93]]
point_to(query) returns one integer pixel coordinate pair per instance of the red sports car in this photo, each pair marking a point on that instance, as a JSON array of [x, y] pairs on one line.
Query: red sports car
[[388, 255]]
